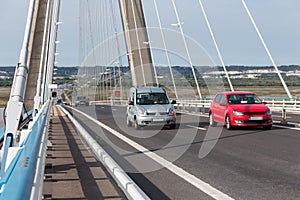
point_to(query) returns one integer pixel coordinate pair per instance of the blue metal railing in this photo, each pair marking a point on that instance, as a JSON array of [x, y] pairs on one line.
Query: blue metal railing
[[17, 180], [2, 132]]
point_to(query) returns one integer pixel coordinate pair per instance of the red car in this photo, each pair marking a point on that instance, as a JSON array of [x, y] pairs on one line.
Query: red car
[[239, 109]]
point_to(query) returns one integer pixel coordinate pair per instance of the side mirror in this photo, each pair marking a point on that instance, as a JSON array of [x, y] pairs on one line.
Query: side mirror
[[130, 103], [264, 102], [173, 102]]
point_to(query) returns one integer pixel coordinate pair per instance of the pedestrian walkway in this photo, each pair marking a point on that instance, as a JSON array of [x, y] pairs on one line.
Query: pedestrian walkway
[[71, 170]]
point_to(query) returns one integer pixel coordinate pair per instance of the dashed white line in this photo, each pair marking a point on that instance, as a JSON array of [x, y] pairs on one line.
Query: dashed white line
[[196, 127]]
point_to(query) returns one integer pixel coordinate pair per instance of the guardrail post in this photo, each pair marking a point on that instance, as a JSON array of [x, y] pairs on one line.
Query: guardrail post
[[203, 109], [283, 116]]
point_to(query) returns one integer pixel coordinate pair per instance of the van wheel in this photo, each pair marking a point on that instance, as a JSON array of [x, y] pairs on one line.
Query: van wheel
[[136, 126], [211, 120], [128, 122], [228, 124]]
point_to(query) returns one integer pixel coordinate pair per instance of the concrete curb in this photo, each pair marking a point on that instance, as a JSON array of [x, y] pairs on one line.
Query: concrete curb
[[128, 186]]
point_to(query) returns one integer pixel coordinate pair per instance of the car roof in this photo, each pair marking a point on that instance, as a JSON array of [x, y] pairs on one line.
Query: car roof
[[235, 92], [150, 89]]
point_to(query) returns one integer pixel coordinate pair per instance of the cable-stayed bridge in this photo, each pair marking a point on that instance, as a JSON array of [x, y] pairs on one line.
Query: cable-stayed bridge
[[120, 48]]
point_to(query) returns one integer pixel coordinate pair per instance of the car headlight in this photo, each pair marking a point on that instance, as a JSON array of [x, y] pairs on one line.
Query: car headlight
[[237, 113], [142, 112], [269, 112]]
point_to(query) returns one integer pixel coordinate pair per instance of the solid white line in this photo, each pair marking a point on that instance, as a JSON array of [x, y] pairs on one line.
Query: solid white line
[[196, 127], [129, 187], [198, 183]]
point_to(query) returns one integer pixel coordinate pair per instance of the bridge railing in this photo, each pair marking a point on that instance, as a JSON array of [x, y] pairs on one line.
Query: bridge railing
[[200, 105], [23, 176]]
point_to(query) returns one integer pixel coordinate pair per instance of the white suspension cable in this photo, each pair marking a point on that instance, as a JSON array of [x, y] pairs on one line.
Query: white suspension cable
[[186, 48], [118, 49], [37, 99], [216, 45], [148, 43], [129, 47], [266, 48], [165, 48]]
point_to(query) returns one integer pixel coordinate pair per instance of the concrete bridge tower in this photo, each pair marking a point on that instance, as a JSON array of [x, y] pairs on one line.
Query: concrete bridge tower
[[137, 43]]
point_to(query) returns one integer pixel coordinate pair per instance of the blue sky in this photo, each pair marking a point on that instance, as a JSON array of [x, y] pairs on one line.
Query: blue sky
[[238, 42]]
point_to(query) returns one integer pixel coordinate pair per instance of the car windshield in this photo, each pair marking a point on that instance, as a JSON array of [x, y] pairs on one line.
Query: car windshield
[[151, 98], [243, 99], [81, 98]]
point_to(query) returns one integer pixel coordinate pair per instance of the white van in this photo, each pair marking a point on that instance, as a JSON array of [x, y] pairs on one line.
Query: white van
[[82, 100], [150, 106]]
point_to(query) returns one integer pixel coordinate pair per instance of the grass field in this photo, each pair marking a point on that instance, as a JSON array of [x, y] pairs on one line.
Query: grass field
[[4, 96]]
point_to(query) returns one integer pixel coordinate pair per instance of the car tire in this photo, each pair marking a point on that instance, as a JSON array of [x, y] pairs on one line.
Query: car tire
[[228, 123], [136, 126], [267, 127], [211, 120], [128, 122], [172, 126]]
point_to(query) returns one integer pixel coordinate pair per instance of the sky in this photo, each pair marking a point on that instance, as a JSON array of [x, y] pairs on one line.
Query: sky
[[277, 20]]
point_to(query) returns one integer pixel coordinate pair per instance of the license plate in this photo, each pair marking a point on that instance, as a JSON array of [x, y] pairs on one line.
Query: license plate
[[256, 118], [158, 119]]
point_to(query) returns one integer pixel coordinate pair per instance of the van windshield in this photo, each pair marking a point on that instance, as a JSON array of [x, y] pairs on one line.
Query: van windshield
[[151, 98], [81, 98]]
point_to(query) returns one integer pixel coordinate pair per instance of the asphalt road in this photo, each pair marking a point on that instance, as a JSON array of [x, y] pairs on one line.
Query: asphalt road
[[195, 161]]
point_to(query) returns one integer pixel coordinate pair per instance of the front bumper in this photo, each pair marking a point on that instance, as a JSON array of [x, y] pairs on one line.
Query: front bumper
[[157, 120], [251, 121]]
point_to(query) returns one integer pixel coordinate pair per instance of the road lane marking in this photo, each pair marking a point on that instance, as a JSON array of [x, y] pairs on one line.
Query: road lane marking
[[194, 114], [190, 178], [196, 127], [280, 116], [275, 125], [287, 127]]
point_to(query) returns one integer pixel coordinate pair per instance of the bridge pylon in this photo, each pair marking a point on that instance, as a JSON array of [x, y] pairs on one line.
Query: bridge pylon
[[137, 42]]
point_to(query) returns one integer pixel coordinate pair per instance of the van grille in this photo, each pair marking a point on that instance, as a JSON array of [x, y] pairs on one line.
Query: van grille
[[157, 113]]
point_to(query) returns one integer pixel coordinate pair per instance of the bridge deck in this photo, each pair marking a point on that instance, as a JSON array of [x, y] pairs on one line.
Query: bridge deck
[[71, 170]]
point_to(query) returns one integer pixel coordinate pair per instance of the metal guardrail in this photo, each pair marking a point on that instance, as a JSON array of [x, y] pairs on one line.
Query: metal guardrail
[[2, 132], [22, 178], [197, 105]]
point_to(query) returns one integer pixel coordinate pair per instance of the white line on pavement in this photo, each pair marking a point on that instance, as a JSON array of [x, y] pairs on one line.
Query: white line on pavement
[[198, 183], [196, 127]]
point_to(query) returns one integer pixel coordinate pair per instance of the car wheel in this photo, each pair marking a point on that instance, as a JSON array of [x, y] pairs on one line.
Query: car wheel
[[211, 120], [172, 126], [128, 122], [267, 127], [227, 121], [136, 126]]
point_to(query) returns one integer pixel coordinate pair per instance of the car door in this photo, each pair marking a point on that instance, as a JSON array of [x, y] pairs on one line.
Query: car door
[[219, 108], [222, 108], [131, 102]]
